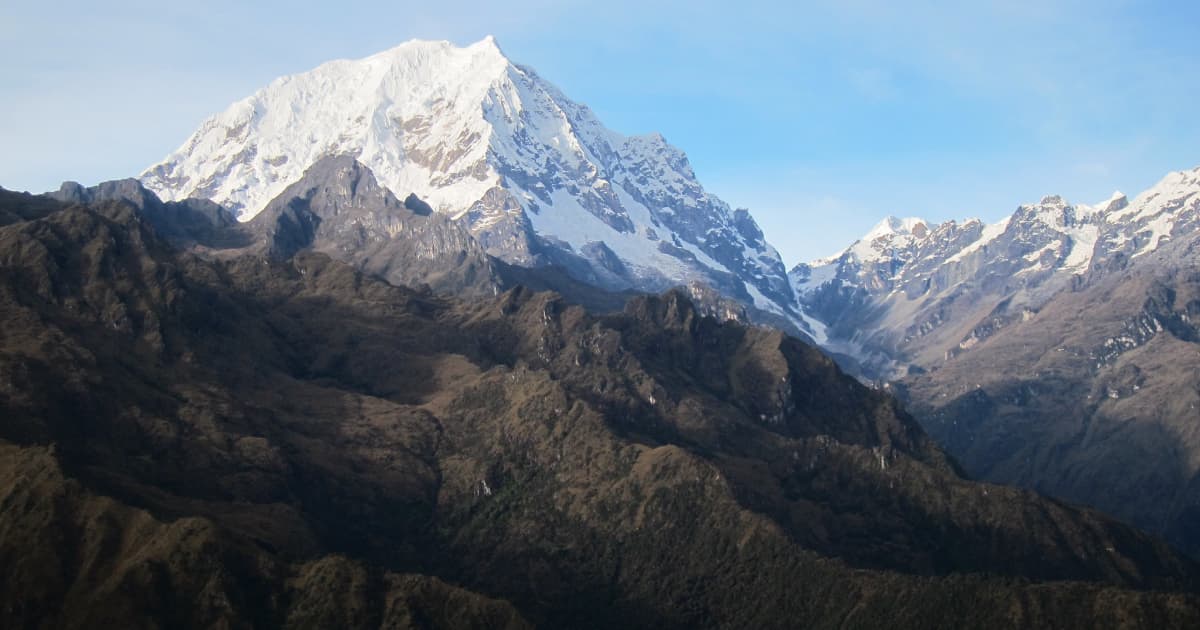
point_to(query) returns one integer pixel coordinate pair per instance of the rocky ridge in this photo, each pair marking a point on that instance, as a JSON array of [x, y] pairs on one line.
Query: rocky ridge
[[349, 451], [1056, 350], [912, 298]]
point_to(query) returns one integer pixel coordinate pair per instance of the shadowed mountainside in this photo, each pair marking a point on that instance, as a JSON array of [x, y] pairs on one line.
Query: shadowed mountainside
[[259, 441], [1057, 349], [1094, 399]]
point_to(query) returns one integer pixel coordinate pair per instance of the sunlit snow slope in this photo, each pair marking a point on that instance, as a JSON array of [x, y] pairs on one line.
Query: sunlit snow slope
[[535, 176]]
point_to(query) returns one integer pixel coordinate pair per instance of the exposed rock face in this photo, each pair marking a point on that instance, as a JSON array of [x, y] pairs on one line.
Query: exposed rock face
[[904, 297], [1094, 398], [535, 177], [1056, 349], [339, 209], [270, 442]]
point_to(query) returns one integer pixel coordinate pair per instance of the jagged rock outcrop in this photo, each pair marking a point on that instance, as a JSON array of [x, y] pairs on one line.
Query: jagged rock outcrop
[[338, 208]]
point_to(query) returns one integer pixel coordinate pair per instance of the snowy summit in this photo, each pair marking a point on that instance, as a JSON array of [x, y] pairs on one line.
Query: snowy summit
[[535, 177]]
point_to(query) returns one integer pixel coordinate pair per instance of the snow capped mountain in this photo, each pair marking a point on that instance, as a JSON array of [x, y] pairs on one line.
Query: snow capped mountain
[[889, 244], [1062, 353], [1170, 209], [951, 285], [535, 177], [887, 237]]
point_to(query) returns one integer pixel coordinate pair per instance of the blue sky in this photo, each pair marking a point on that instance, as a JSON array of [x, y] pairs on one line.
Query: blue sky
[[821, 117]]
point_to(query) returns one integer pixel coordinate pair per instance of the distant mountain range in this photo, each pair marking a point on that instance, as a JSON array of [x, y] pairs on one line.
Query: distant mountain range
[[1058, 349], [911, 294], [551, 198], [415, 341]]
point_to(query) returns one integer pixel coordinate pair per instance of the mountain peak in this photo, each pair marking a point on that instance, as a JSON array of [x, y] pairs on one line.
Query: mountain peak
[[1178, 180], [489, 42], [888, 235], [891, 227], [488, 46], [413, 114], [1115, 201], [896, 225], [534, 176]]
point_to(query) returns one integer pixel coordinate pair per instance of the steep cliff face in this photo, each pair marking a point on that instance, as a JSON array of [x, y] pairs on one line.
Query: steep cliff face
[[1056, 350], [910, 294], [271, 442], [1093, 398], [338, 208], [535, 177]]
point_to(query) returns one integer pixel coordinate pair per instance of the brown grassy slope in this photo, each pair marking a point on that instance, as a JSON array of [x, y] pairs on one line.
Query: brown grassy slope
[[654, 468], [77, 560]]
